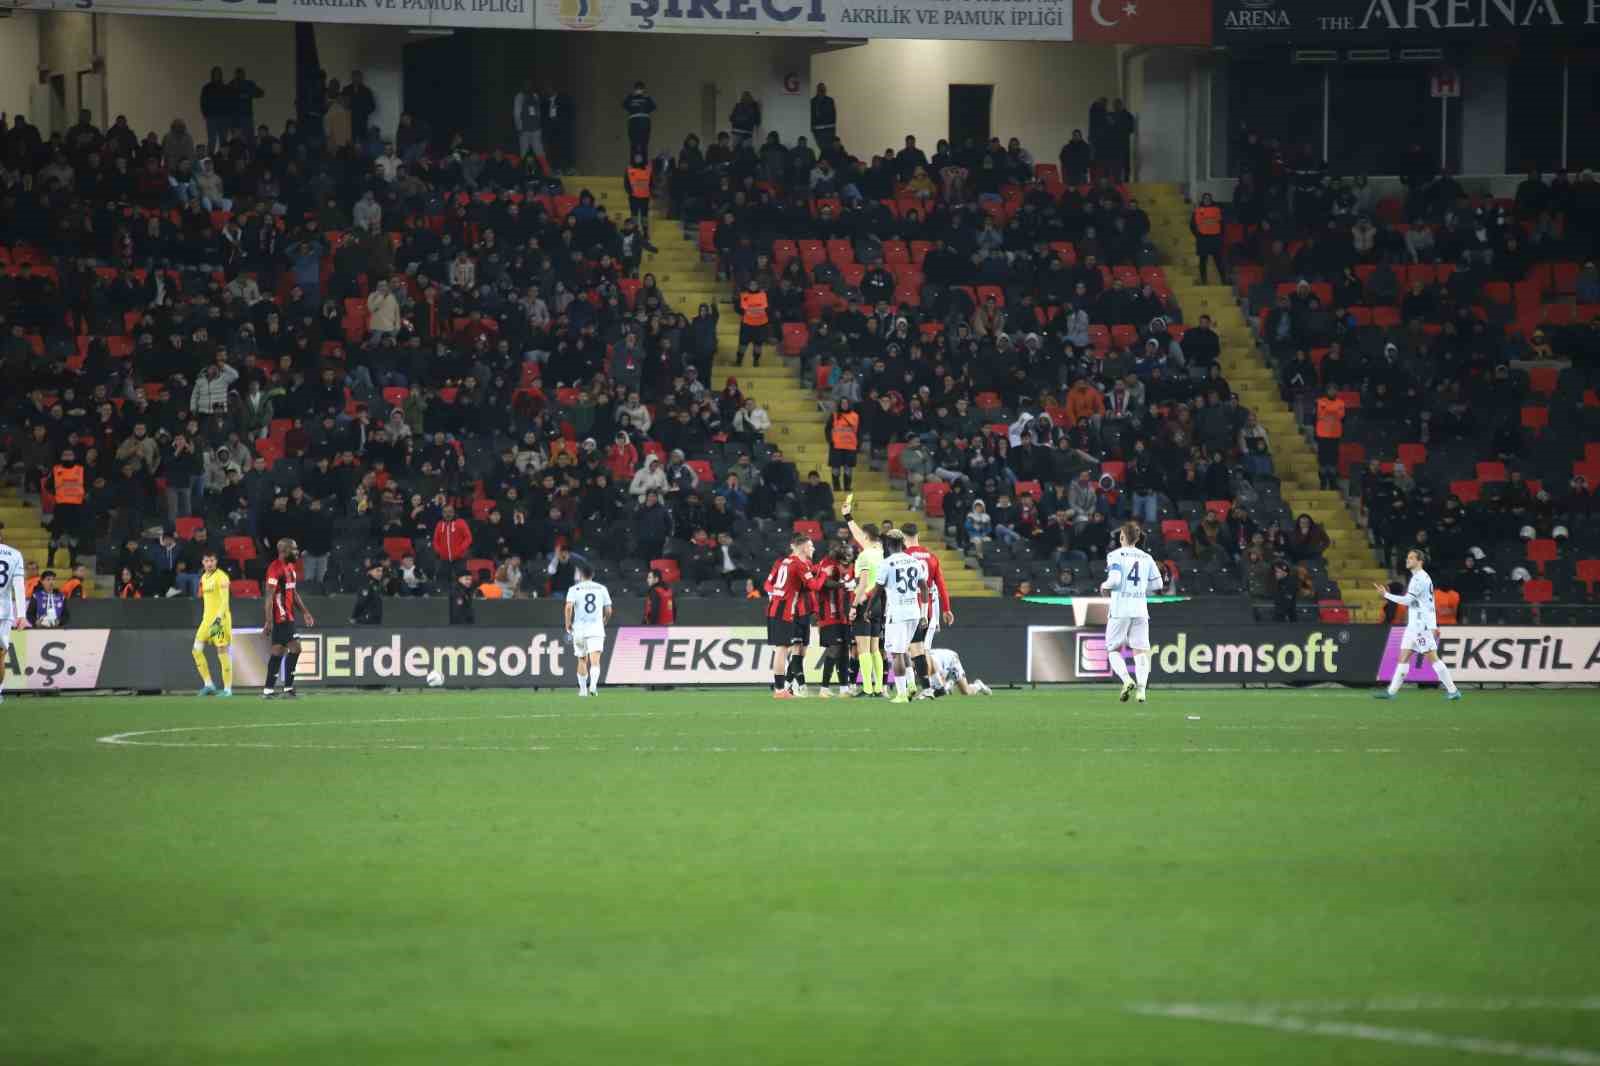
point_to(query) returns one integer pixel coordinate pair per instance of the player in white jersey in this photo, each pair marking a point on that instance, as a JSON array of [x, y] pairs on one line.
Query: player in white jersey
[[13, 602], [1131, 576], [1422, 629], [588, 610], [948, 670], [903, 582]]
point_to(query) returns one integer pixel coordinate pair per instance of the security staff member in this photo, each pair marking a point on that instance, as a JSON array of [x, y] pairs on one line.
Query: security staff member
[[527, 111], [1206, 225], [824, 120], [637, 178], [639, 106], [752, 322], [844, 439], [1330, 432], [67, 483]]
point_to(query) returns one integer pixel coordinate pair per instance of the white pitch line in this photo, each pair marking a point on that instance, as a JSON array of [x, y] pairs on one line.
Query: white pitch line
[[1403, 1004], [1267, 1018]]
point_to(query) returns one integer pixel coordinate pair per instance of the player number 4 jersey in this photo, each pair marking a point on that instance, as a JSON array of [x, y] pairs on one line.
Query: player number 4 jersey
[[1140, 579], [903, 579]]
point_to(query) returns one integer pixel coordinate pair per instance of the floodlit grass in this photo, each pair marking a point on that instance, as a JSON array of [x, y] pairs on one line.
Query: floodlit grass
[[712, 878]]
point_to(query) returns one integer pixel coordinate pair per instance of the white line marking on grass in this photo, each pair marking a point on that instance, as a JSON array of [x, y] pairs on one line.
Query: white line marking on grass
[[1268, 1017]]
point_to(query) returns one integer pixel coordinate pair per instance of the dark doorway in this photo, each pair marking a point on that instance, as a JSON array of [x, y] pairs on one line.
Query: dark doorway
[[969, 114]]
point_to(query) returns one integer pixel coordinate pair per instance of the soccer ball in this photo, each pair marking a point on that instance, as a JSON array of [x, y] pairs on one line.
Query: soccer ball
[[435, 679]]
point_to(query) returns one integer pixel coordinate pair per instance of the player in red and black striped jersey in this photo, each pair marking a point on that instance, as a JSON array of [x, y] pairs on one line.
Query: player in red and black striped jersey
[[791, 601], [834, 600], [935, 611], [283, 603]]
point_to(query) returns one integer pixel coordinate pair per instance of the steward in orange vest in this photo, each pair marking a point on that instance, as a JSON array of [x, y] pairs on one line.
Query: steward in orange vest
[[637, 178], [752, 321], [1329, 430], [1206, 225], [844, 439], [67, 483]]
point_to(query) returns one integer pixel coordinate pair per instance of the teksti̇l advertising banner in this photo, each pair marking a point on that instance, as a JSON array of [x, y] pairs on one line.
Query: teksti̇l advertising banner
[[1553, 655], [1233, 654], [1383, 23]]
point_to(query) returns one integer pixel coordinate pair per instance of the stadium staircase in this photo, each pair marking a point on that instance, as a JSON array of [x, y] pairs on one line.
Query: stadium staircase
[[797, 415], [1351, 561]]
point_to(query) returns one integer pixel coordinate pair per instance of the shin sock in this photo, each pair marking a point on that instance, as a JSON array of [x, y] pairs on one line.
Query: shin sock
[[1401, 669], [200, 665], [290, 660], [273, 662], [920, 665], [828, 662], [1119, 667], [1442, 672], [225, 662], [1141, 669]]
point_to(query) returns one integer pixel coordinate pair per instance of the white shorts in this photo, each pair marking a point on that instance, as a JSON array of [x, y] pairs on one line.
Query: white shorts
[[1419, 640], [1128, 633], [588, 641], [897, 636], [5, 635]]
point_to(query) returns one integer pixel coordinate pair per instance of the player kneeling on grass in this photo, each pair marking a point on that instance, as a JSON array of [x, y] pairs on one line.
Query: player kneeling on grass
[[588, 610], [948, 672], [1131, 576], [216, 627], [1422, 629]]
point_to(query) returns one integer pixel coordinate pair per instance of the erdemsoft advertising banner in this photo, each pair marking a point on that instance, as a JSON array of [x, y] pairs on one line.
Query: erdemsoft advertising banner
[[1224, 653]]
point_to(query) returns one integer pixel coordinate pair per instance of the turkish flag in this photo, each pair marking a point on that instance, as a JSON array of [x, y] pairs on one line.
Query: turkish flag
[[1142, 21]]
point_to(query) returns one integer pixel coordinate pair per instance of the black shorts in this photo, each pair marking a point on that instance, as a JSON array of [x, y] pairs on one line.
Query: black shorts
[[282, 633], [752, 334], [869, 626], [835, 635], [783, 632], [841, 457]]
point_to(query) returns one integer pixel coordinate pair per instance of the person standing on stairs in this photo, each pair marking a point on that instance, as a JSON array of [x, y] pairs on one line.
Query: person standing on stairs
[[1329, 431], [639, 105], [1206, 225], [844, 440], [637, 178], [752, 322], [527, 113], [824, 120]]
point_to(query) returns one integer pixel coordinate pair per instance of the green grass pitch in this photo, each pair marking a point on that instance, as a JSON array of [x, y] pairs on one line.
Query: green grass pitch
[[718, 879]]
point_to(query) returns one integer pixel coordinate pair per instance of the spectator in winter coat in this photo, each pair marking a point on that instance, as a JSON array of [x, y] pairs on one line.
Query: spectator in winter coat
[[649, 479], [383, 312], [452, 537]]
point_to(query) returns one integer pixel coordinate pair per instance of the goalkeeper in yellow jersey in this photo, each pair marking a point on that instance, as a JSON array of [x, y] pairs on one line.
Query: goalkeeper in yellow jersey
[[216, 627]]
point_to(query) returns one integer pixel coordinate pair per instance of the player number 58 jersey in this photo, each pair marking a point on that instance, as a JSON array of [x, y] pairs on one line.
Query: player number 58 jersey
[[1141, 578], [903, 579]]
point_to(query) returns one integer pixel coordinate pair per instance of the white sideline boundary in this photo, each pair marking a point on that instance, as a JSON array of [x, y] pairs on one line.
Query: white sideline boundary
[[1289, 1018]]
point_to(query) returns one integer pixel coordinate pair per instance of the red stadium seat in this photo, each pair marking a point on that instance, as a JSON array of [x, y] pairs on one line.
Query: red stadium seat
[[809, 528], [895, 252], [1491, 471], [1588, 572], [246, 588], [708, 240], [395, 395], [1175, 529], [668, 569], [239, 549], [1466, 491], [795, 338], [1544, 379], [1543, 550], [1351, 453], [1333, 612], [187, 525], [397, 548], [1028, 488], [702, 470], [840, 252], [1539, 590], [1117, 469], [481, 569], [988, 401], [896, 469], [1535, 418], [1220, 508], [1413, 455]]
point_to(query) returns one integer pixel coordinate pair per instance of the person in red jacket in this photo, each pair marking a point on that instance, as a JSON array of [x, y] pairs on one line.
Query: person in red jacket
[[452, 538], [659, 608]]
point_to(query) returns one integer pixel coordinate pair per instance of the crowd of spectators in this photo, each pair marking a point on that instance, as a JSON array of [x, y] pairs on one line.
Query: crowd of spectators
[[1013, 349], [1446, 346]]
